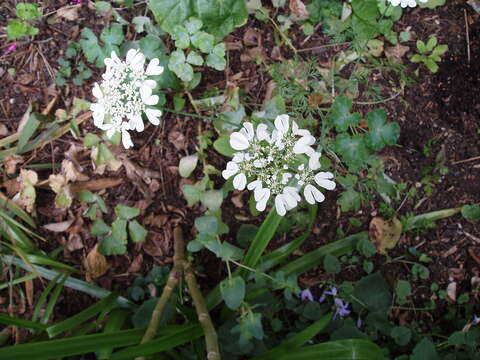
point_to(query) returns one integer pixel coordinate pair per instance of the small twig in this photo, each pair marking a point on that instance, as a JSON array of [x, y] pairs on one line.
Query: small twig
[[173, 280], [192, 101], [323, 46], [379, 101], [468, 36], [466, 160], [473, 237]]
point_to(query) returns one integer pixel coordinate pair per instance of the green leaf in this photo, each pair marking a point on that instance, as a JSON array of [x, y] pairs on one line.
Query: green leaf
[[350, 200], [137, 232], [153, 47], [207, 225], [8, 320], [431, 65], [89, 44], [401, 335], [424, 350], [366, 10], [16, 29], [203, 41], [416, 58], [87, 196], [471, 212], [126, 212], [212, 199], [27, 131], [140, 23], [112, 35], [341, 117], [222, 145], [119, 230], [194, 58], [353, 150], [422, 48], [233, 291], [431, 4], [216, 62], [99, 228], [373, 292], [440, 50], [27, 11], [381, 134], [102, 7], [403, 289], [169, 13], [181, 37], [331, 264], [193, 25], [81, 317], [112, 246], [177, 64], [431, 43]]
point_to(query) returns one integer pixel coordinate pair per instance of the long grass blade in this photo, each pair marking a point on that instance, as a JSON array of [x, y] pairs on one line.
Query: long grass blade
[[8, 320]]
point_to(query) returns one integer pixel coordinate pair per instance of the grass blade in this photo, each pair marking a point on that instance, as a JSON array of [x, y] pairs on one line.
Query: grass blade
[[8, 320], [114, 323], [27, 131], [43, 298], [81, 317]]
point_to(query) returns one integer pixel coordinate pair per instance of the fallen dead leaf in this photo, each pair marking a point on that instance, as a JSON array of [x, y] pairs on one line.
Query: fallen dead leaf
[[29, 292], [3, 130], [59, 227], [136, 264], [96, 184], [69, 12], [385, 234], [95, 264], [397, 52], [237, 200], [298, 10], [177, 139], [74, 242], [252, 37], [452, 291]]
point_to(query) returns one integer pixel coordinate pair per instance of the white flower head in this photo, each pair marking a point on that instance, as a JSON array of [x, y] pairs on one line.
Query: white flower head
[[267, 162], [126, 93], [405, 3]]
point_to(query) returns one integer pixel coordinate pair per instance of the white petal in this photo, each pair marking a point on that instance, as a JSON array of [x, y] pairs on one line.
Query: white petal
[[97, 91], [248, 130], [126, 139], [111, 131], [262, 133], [153, 115], [145, 92], [262, 199], [314, 161], [303, 144], [312, 194], [280, 205], [136, 123], [152, 100], [240, 181], [153, 68], [292, 192], [232, 169], [254, 184], [238, 157], [115, 58], [321, 180], [130, 55], [150, 83], [238, 141], [281, 123]]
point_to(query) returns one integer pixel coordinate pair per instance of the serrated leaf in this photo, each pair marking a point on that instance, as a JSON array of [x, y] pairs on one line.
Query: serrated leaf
[[112, 35], [341, 116], [140, 22], [381, 134], [136, 231], [233, 291], [193, 25], [90, 46], [126, 212], [112, 246]]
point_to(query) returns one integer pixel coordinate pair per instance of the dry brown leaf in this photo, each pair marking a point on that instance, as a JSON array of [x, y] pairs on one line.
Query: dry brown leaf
[[60, 226], [397, 51], [136, 264], [177, 139], [69, 12], [12, 186], [95, 264], [10, 163], [71, 173], [298, 10], [29, 292], [3, 130], [96, 184], [74, 242], [237, 200], [385, 233], [452, 291]]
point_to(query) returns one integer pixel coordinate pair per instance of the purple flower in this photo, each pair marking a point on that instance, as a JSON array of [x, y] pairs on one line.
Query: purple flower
[[306, 294], [333, 291], [322, 299], [11, 48], [342, 308]]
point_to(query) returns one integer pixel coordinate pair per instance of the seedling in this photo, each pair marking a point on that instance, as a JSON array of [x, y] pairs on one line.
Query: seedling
[[429, 53], [26, 13]]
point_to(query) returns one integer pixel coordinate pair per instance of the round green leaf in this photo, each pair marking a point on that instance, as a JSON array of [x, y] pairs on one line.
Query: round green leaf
[[233, 291]]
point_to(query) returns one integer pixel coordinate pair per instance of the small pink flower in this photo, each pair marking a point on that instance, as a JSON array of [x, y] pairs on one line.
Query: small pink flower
[[10, 48]]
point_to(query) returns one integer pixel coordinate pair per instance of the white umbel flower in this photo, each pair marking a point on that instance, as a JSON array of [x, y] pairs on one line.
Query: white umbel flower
[[266, 162], [126, 93], [405, 3]]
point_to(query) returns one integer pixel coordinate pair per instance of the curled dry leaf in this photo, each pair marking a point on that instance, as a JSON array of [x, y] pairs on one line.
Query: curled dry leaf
[[385, 233], [397, 52], [95, 264], [298, 10], [136, 264], [26, 198], [69, 12], [452, 291], [3, 130]]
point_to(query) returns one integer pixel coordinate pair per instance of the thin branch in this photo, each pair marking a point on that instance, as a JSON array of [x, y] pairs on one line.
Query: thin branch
[[211, 339], [173, 280]]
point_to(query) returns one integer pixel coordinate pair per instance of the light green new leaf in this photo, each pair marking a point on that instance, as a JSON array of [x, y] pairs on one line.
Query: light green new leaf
[[233, 291], [193, 25], [194, 58], [90, 46], [181, 37], [126, 212], [99, 228], [431, 43], [203, 41], [352, 149], [216, 62], [112, 35], [137, 232]]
